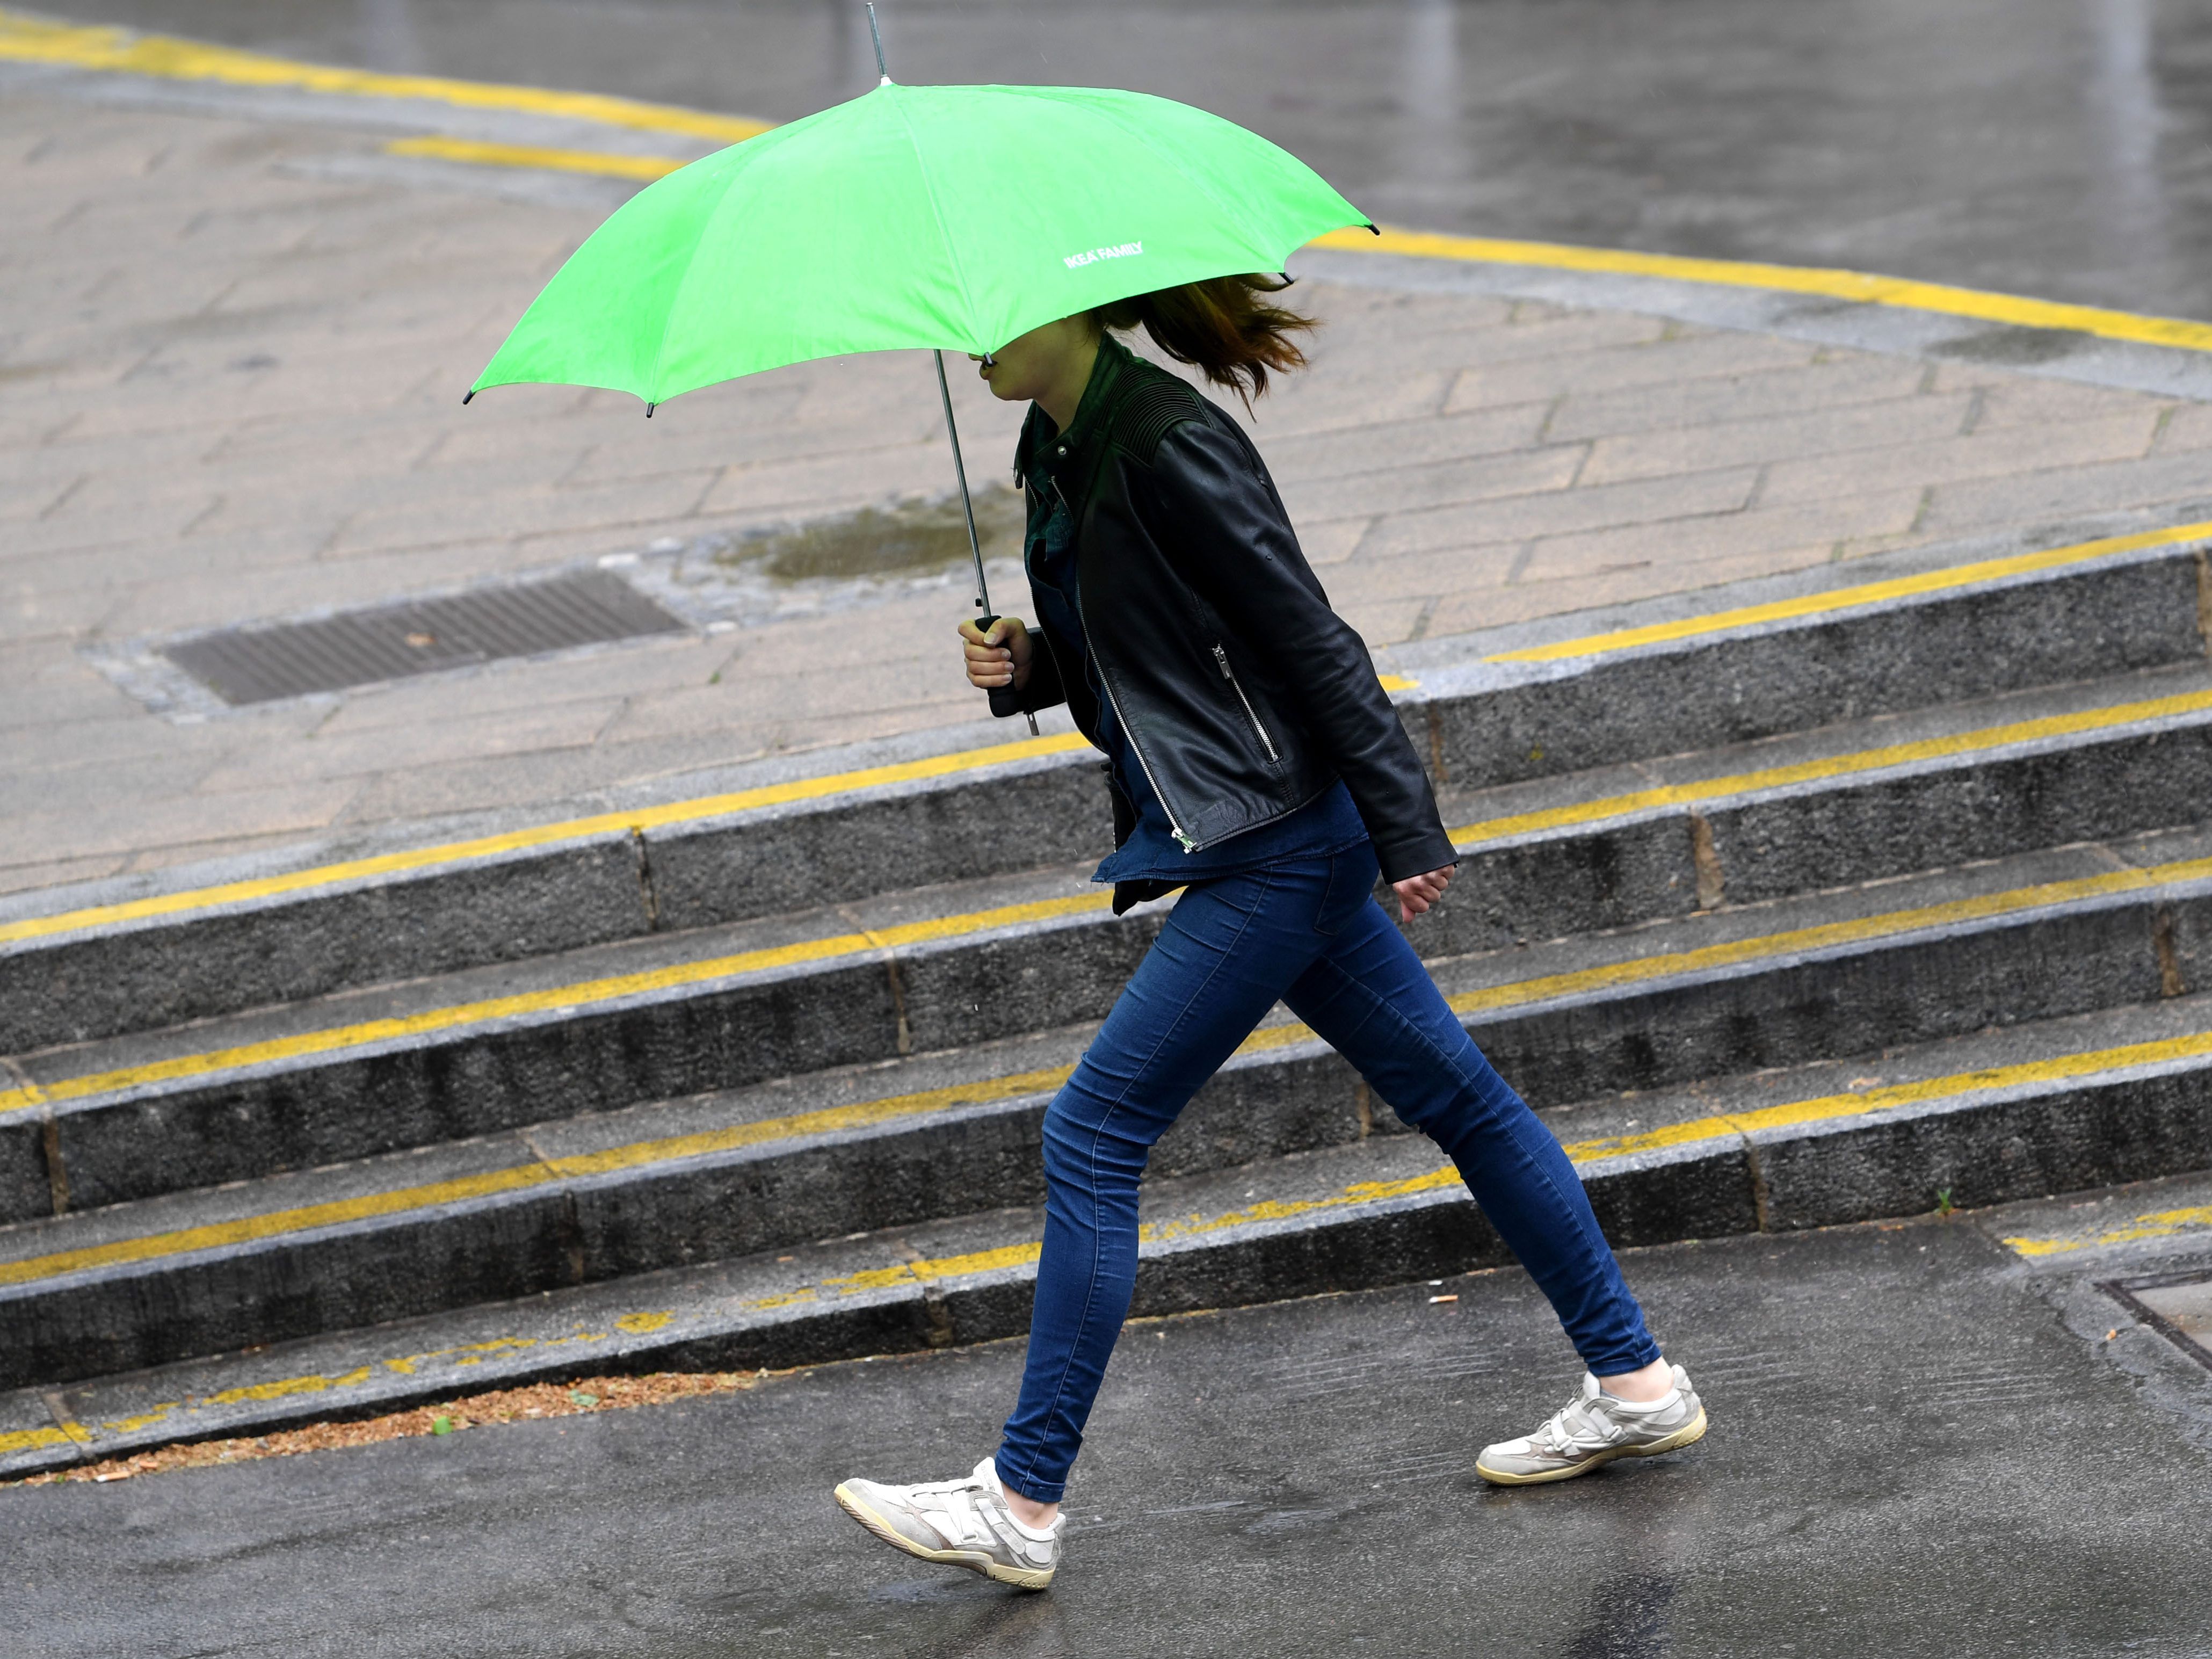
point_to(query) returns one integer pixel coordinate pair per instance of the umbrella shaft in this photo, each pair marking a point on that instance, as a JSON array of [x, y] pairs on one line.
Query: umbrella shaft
[[960, 471]]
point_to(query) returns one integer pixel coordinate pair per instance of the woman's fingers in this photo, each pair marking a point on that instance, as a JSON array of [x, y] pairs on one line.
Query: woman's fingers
[[1416, 894], [989, 663], [994, 657]]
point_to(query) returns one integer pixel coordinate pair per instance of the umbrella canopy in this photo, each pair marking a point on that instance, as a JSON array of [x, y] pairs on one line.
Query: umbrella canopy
[[949, 217]]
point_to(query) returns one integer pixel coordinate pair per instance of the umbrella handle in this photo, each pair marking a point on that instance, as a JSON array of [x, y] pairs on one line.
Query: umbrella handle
[[1005, 699]]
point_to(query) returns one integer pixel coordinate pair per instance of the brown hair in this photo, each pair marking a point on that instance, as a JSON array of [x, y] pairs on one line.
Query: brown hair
[[1224, 327]]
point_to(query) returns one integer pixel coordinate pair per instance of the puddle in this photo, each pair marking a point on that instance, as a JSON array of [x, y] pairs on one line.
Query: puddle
[[906, 540]]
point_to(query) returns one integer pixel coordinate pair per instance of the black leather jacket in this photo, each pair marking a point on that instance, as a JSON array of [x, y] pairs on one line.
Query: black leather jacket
[[1243, 694]]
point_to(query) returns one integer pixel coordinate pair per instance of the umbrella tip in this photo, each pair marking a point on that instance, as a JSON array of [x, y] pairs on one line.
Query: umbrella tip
[[649, 408], [1377, 229], [465, 396], [877, 35]]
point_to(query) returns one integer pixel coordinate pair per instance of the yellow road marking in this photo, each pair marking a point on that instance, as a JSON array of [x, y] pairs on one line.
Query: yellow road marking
[[1846, 599], [1866, 760], [486, 847], [596, 161], [2162, 1224], [34, 41], [1862, 287], [342, 1038], [33, 1440]]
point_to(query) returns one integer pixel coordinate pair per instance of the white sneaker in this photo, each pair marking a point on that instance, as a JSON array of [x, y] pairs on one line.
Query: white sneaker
[[963, 1523], [1595, 1428]]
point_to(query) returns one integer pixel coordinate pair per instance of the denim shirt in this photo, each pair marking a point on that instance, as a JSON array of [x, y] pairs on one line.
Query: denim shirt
[[1152, 856]]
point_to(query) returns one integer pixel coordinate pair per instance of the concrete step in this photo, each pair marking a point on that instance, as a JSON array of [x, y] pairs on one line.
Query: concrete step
[[2121, 1095], [1728, 666], [493, 1049], [1859, 801]]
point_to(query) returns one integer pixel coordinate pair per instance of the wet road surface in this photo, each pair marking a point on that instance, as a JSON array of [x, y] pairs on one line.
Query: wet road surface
[[1914, 1453], [2056, 148]]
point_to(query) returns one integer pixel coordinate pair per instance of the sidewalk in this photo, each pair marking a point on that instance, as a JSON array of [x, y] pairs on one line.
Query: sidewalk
[[229, 390]]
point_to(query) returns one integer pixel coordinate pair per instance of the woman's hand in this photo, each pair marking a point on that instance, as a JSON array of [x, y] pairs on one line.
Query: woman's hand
[[1417, 893], [1001, 656]]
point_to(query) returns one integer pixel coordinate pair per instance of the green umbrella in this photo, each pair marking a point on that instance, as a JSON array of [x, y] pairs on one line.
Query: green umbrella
[[950, 218]]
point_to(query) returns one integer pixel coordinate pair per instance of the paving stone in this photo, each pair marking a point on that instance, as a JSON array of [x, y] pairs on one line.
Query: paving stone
[[1464, 613], [2012, 452], [54, 872], [2186, 426], [1871, 512], [1709, 356], [2024, 401], [179, 819], [2055, 492], [1395, 444], [1561, 511], [1828, 381], [640, 504], [1329, 541], [1828, 432], [1437, 482], [646, 669], [1416, 575]]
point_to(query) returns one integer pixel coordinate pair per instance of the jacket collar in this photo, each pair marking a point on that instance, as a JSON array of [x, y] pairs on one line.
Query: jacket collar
[[1047, 455]]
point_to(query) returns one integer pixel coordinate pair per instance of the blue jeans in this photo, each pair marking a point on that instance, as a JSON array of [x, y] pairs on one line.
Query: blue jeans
[[1308, 933]]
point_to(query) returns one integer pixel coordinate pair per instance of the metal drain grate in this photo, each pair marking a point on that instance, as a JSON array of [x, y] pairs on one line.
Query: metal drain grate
[[419, 636], [2178, 1306]]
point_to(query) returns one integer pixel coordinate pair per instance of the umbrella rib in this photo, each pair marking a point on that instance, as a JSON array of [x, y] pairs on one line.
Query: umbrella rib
[[951, 250], [1252, 234], [668, 317]]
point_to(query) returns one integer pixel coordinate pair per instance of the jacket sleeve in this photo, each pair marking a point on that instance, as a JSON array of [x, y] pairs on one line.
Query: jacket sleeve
[[1045, 688], [1211, 505]]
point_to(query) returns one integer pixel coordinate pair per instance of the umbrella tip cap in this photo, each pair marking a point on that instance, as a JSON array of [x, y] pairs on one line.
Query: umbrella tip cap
[[465, 396]]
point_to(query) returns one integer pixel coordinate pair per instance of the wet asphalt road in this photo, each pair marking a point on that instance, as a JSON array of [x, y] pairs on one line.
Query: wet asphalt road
[[1916, 1452], [2056, 148]]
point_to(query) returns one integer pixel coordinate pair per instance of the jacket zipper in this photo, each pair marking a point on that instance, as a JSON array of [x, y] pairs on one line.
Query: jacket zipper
[[1137, 749], [1221, 656], [1106, 684]]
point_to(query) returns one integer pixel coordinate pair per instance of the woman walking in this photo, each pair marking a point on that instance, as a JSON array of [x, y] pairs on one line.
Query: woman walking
[[1257, 764]]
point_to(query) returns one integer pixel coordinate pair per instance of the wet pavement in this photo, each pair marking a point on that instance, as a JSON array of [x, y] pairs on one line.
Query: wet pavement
[[2056, 148], [1922, 1445]]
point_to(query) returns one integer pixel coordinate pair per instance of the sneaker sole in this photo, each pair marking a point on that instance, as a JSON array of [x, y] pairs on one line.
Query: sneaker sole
[[1690, 1432], [1035, 1579]]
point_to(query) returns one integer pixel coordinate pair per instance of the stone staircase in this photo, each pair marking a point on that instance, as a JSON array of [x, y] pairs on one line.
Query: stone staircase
[[1805, 902]]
